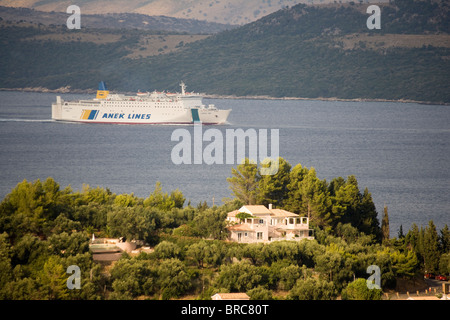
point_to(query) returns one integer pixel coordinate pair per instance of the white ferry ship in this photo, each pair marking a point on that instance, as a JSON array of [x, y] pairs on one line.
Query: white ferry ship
[[143, 108]]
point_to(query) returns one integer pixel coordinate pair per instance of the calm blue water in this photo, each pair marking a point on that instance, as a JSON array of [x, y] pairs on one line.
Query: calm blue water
[[400, 151]]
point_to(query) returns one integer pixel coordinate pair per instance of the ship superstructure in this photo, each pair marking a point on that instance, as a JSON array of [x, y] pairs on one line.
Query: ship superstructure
[[142, 108]]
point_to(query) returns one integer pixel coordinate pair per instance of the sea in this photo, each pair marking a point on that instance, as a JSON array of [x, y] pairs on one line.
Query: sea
[[399, 151]]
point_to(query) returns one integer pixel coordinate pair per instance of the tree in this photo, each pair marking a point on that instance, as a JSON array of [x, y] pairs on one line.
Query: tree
[[198, 252], [444, 263], [444, 240], [369, 222], [412, 238], [346, 202], [53, 280], [294, 201], [65, 245], [133, 277], [385, 225], [178, 198], [405, 264], [63, 224], [243, 215], [133, 223], [289, 276], [162, 201], [216, 253], [244, 182], [21, 289], [93, 280], [309, 196], [167, 250], [173, 278], [350, 206], [260, 293], [28, 249], [210, 223], [125, 200], [29, 206], [313, 289], [272, 189], [431, 248], [358, 290], [5, 261], [400, 232], [96, 195], [238, 277], [333, 265]]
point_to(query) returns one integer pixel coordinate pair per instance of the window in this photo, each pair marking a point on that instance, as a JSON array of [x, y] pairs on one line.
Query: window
[[261, 221], [239, 236], [259, 235]]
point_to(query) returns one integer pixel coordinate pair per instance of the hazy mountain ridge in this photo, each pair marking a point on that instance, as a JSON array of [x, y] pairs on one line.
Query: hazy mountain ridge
[[221, 11], [115, 21], [302, 51]]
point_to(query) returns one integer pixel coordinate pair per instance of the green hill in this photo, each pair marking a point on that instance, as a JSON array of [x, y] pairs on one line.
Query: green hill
[[303, 51]]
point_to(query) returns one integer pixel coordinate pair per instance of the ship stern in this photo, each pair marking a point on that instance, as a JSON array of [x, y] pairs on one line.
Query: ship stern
[[57, 109]]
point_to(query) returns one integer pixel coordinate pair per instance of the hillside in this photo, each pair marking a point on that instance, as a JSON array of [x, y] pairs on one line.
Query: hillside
[[302, 51], [114, 21], [221, 11]]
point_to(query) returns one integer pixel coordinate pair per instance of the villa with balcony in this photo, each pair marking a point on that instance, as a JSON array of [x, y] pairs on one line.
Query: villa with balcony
[[256, 223]]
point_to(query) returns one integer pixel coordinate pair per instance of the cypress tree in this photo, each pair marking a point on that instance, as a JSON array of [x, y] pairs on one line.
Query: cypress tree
[[385, 225], [445, 240], [369, 220], [400, 232], [431, 248]]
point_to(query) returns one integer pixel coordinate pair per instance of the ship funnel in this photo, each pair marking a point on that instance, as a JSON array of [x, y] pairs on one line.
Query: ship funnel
[[102, 92]]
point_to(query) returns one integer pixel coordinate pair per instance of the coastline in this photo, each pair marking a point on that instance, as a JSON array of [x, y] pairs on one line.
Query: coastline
[[68, 89]]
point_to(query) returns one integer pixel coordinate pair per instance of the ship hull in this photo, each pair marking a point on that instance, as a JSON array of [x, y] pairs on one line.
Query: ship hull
[[180, 111]]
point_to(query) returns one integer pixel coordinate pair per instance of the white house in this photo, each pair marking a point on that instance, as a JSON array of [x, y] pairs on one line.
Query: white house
[[263, 224]]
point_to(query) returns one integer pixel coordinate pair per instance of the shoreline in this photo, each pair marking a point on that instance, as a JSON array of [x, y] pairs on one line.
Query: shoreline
[[213, 96], [67, 89]]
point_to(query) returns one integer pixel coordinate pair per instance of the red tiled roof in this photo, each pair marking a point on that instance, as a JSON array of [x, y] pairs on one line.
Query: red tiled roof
[[232, 296], [283, 213]]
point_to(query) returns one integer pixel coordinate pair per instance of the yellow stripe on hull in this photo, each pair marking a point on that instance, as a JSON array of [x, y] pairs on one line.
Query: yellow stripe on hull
[[85, 114]]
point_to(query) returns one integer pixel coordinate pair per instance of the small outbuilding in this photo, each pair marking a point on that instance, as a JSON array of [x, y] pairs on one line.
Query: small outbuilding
[[230, 296]]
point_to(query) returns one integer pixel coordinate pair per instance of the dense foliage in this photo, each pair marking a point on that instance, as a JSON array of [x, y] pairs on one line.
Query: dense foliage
[[294, 52], [299, 190], [44, 229]]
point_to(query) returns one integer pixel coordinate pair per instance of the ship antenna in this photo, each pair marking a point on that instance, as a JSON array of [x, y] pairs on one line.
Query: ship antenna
[[183, 88]]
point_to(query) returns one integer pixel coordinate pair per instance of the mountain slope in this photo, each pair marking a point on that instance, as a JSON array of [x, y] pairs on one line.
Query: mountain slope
[[303, 51], [115, 21], [297, 52], [221, 11]]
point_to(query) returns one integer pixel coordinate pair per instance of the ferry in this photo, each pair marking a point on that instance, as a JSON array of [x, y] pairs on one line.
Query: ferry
[[142, 108]]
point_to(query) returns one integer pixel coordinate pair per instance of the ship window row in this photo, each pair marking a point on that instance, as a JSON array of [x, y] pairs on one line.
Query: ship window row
[[139, 103]]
